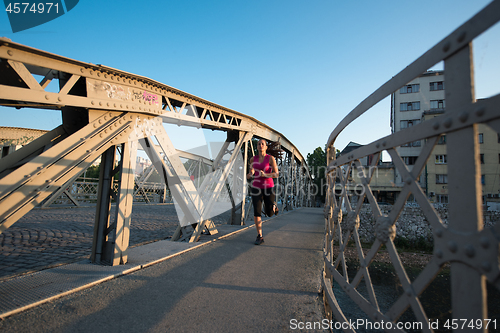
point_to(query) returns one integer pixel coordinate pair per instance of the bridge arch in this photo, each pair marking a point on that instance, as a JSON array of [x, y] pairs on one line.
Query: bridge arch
[[109, 113]]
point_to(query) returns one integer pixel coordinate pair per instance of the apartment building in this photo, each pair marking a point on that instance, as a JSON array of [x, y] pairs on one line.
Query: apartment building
[[423, 99]]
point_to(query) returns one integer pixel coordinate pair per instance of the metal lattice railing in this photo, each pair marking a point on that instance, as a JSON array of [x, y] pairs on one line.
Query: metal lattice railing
[[456, 286], [85, 191]]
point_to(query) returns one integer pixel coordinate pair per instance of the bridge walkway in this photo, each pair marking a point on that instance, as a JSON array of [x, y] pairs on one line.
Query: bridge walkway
[[224, 283]]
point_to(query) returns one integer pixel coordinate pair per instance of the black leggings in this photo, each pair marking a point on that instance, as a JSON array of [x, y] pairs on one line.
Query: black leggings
[[258, 196]]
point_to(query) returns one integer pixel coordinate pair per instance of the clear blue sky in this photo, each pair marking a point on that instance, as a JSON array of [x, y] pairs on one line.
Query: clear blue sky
[[298, 66]]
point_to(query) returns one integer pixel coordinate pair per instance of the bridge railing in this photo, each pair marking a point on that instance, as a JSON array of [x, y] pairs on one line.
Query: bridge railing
[[461, 276], [84, 191]]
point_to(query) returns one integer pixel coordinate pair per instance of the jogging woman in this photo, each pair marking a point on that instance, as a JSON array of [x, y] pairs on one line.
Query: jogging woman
[[263, 169]]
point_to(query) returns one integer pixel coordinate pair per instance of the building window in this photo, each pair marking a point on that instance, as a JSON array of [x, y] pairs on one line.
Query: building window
[[411, 88], [498, 158], [438, 104], [410, 160], [481, 138], [483, 182], [439, 85], [409, 123], [442, 140], [410, 106], [442, 198], [441, 179], [412, 144], [440, 159], [481, 158], [498, 137]]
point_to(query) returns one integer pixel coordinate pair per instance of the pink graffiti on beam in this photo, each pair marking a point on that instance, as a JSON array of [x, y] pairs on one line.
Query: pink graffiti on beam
[[150, 97]]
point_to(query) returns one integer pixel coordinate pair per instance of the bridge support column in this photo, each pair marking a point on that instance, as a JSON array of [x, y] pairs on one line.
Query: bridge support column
[[468, 286], [111, 238], [244, 184], [124, 202], [102, 246]]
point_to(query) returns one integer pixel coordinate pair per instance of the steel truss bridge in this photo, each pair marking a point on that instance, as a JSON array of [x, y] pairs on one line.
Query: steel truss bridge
[[109, 113], [469, 250]]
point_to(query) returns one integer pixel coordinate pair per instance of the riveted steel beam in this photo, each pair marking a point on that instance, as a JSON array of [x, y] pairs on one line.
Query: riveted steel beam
[[100, 87]]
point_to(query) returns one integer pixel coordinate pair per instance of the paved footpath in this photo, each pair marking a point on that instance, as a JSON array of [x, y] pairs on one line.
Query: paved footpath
[[227, 285]]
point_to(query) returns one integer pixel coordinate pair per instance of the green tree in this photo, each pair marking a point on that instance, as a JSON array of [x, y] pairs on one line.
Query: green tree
[[317, 167], [93, 171]]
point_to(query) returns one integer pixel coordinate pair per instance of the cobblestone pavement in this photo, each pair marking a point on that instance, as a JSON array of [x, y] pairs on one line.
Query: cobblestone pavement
[[46, 238]]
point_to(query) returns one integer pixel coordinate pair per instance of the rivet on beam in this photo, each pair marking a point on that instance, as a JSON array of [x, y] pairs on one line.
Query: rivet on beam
[[446, 47], [463, 117], [480, 112], [448, 122], [470, 251], [461, 37], [452, 246], [485, 243]]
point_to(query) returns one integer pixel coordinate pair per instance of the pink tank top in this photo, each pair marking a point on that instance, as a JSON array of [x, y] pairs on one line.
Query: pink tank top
[[262, 182]]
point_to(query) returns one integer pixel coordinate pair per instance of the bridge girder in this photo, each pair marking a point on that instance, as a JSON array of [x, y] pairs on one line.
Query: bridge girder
[[105, 110]]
